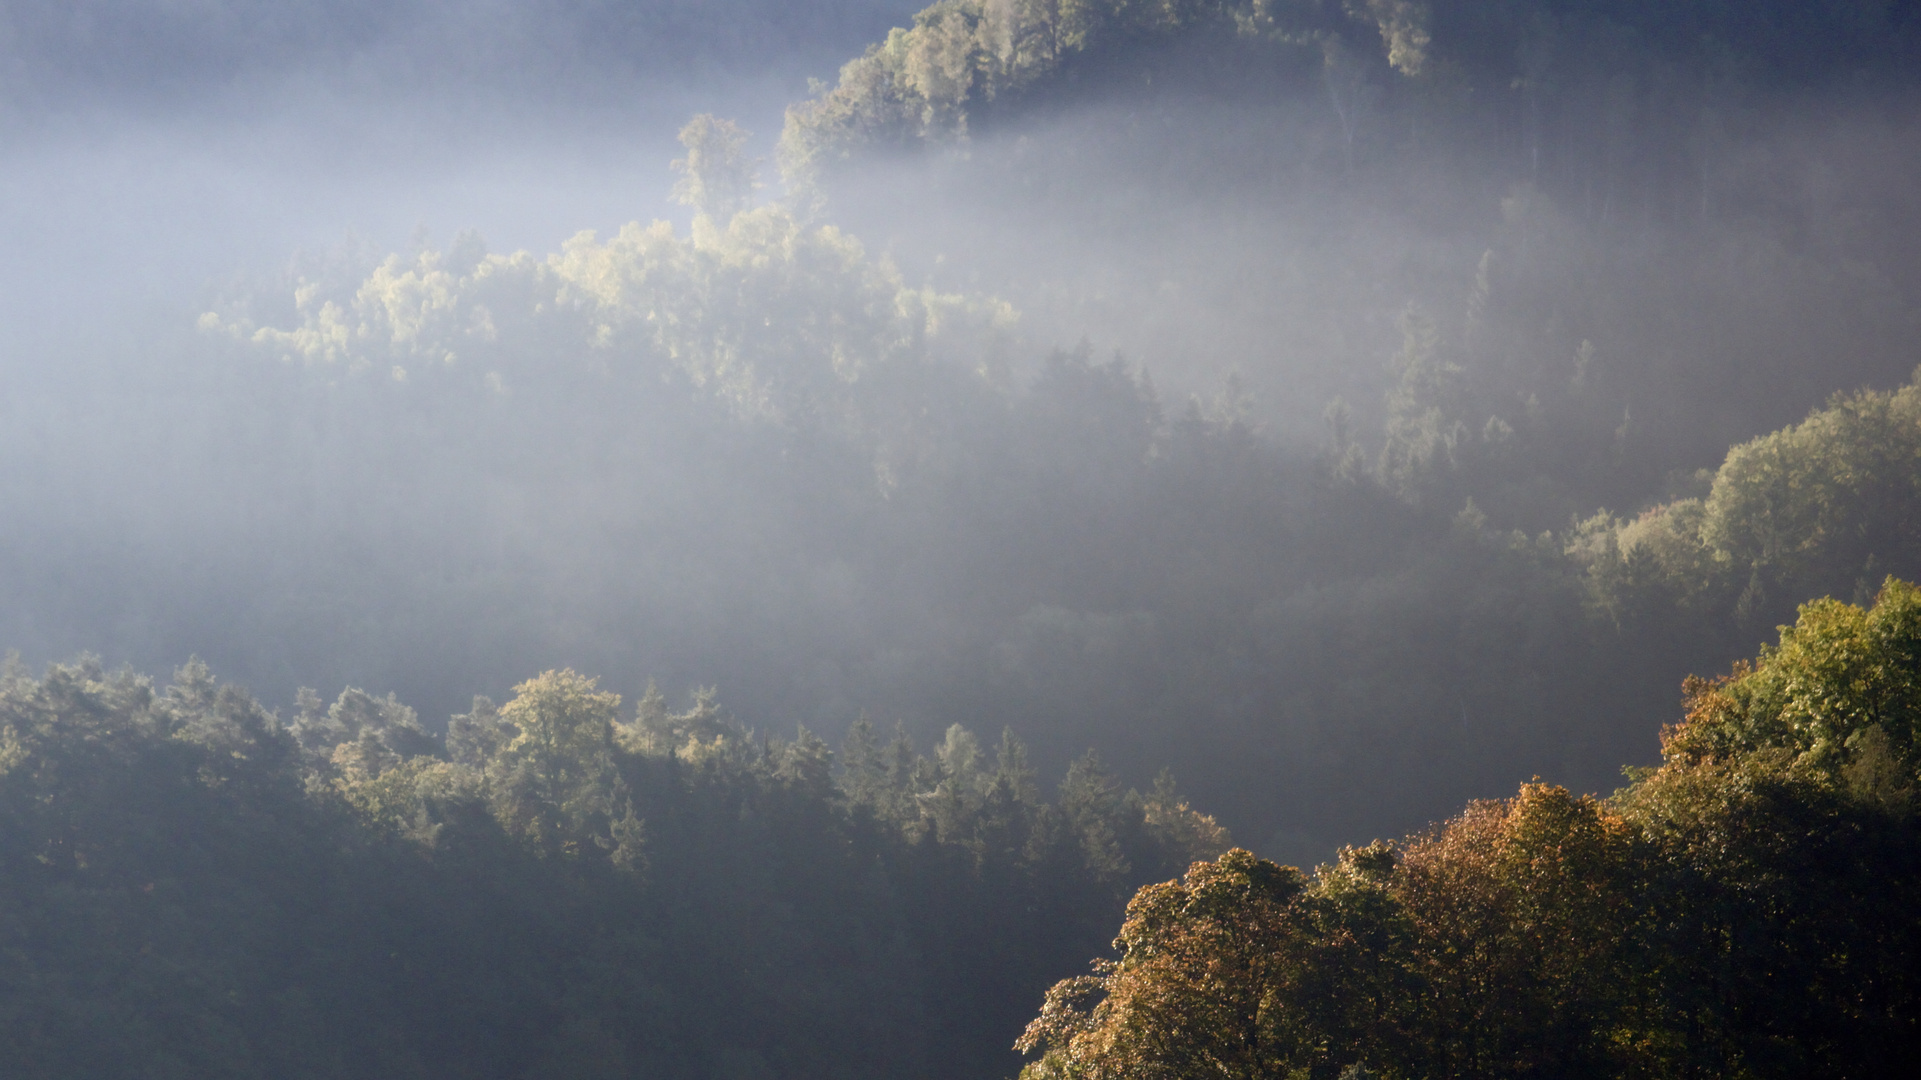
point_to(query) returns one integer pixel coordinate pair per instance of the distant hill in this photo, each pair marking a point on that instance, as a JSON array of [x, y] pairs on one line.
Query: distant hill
[[1564, 79]]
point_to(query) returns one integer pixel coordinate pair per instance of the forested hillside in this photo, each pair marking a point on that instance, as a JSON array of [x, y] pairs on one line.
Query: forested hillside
[[852, 455], [783, 427], [1737, 911], [1643, 218], [1352, 407], [1527, 66], [192, 886]]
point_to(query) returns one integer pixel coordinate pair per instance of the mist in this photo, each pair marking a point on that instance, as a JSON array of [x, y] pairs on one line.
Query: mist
[[1103, 510], [731, 540], [159, 158]]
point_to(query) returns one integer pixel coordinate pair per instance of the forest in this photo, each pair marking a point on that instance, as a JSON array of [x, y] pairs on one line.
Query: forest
[[1735, 911], [771, 630], [195, 888]]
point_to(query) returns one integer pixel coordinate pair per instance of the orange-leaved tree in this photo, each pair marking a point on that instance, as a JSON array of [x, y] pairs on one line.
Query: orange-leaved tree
[[1203, 964]]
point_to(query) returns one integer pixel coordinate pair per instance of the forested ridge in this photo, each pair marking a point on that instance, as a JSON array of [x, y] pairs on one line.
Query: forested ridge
[[196, 886], [1522, 68], [850, 450], [1738, 911], [1350, 407]]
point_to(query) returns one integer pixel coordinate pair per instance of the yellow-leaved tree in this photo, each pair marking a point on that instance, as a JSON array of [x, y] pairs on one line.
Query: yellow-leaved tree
[[561, 786]]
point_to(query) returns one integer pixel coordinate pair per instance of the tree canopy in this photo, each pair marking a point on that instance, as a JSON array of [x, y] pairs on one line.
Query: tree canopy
[[193, 887], [1736, 911]]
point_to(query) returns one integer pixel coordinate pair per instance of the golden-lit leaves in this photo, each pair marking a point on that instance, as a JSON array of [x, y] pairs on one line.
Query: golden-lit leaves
[[1203, 964], [562, 787], [1725, 914], [1843, 684], [1498, 945], [773, 317], [1808, 509]]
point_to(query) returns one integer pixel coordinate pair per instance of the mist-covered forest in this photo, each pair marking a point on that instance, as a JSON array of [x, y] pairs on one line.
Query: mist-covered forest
[[860, 457]]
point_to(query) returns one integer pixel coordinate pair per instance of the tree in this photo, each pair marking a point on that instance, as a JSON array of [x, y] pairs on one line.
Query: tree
[[477, 737], [1823, 506], [717, 179], [1193, 991], [1526, 916], [1838, 700], [563, 784], [1784, 815]]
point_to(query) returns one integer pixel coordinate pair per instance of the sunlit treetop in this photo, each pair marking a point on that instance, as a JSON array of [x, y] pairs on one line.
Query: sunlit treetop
[[963, 60], [1837, 700], [764, 311]]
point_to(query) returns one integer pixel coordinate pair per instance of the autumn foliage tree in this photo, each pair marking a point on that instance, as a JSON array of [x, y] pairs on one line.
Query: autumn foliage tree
[[1193, 992], [1739, 911]]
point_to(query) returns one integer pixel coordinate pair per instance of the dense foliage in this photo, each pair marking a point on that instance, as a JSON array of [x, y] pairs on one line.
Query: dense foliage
[[191, 887], [1567, 197], [1738, 911], [777, 319], [1531, 63], [1813, 509]]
